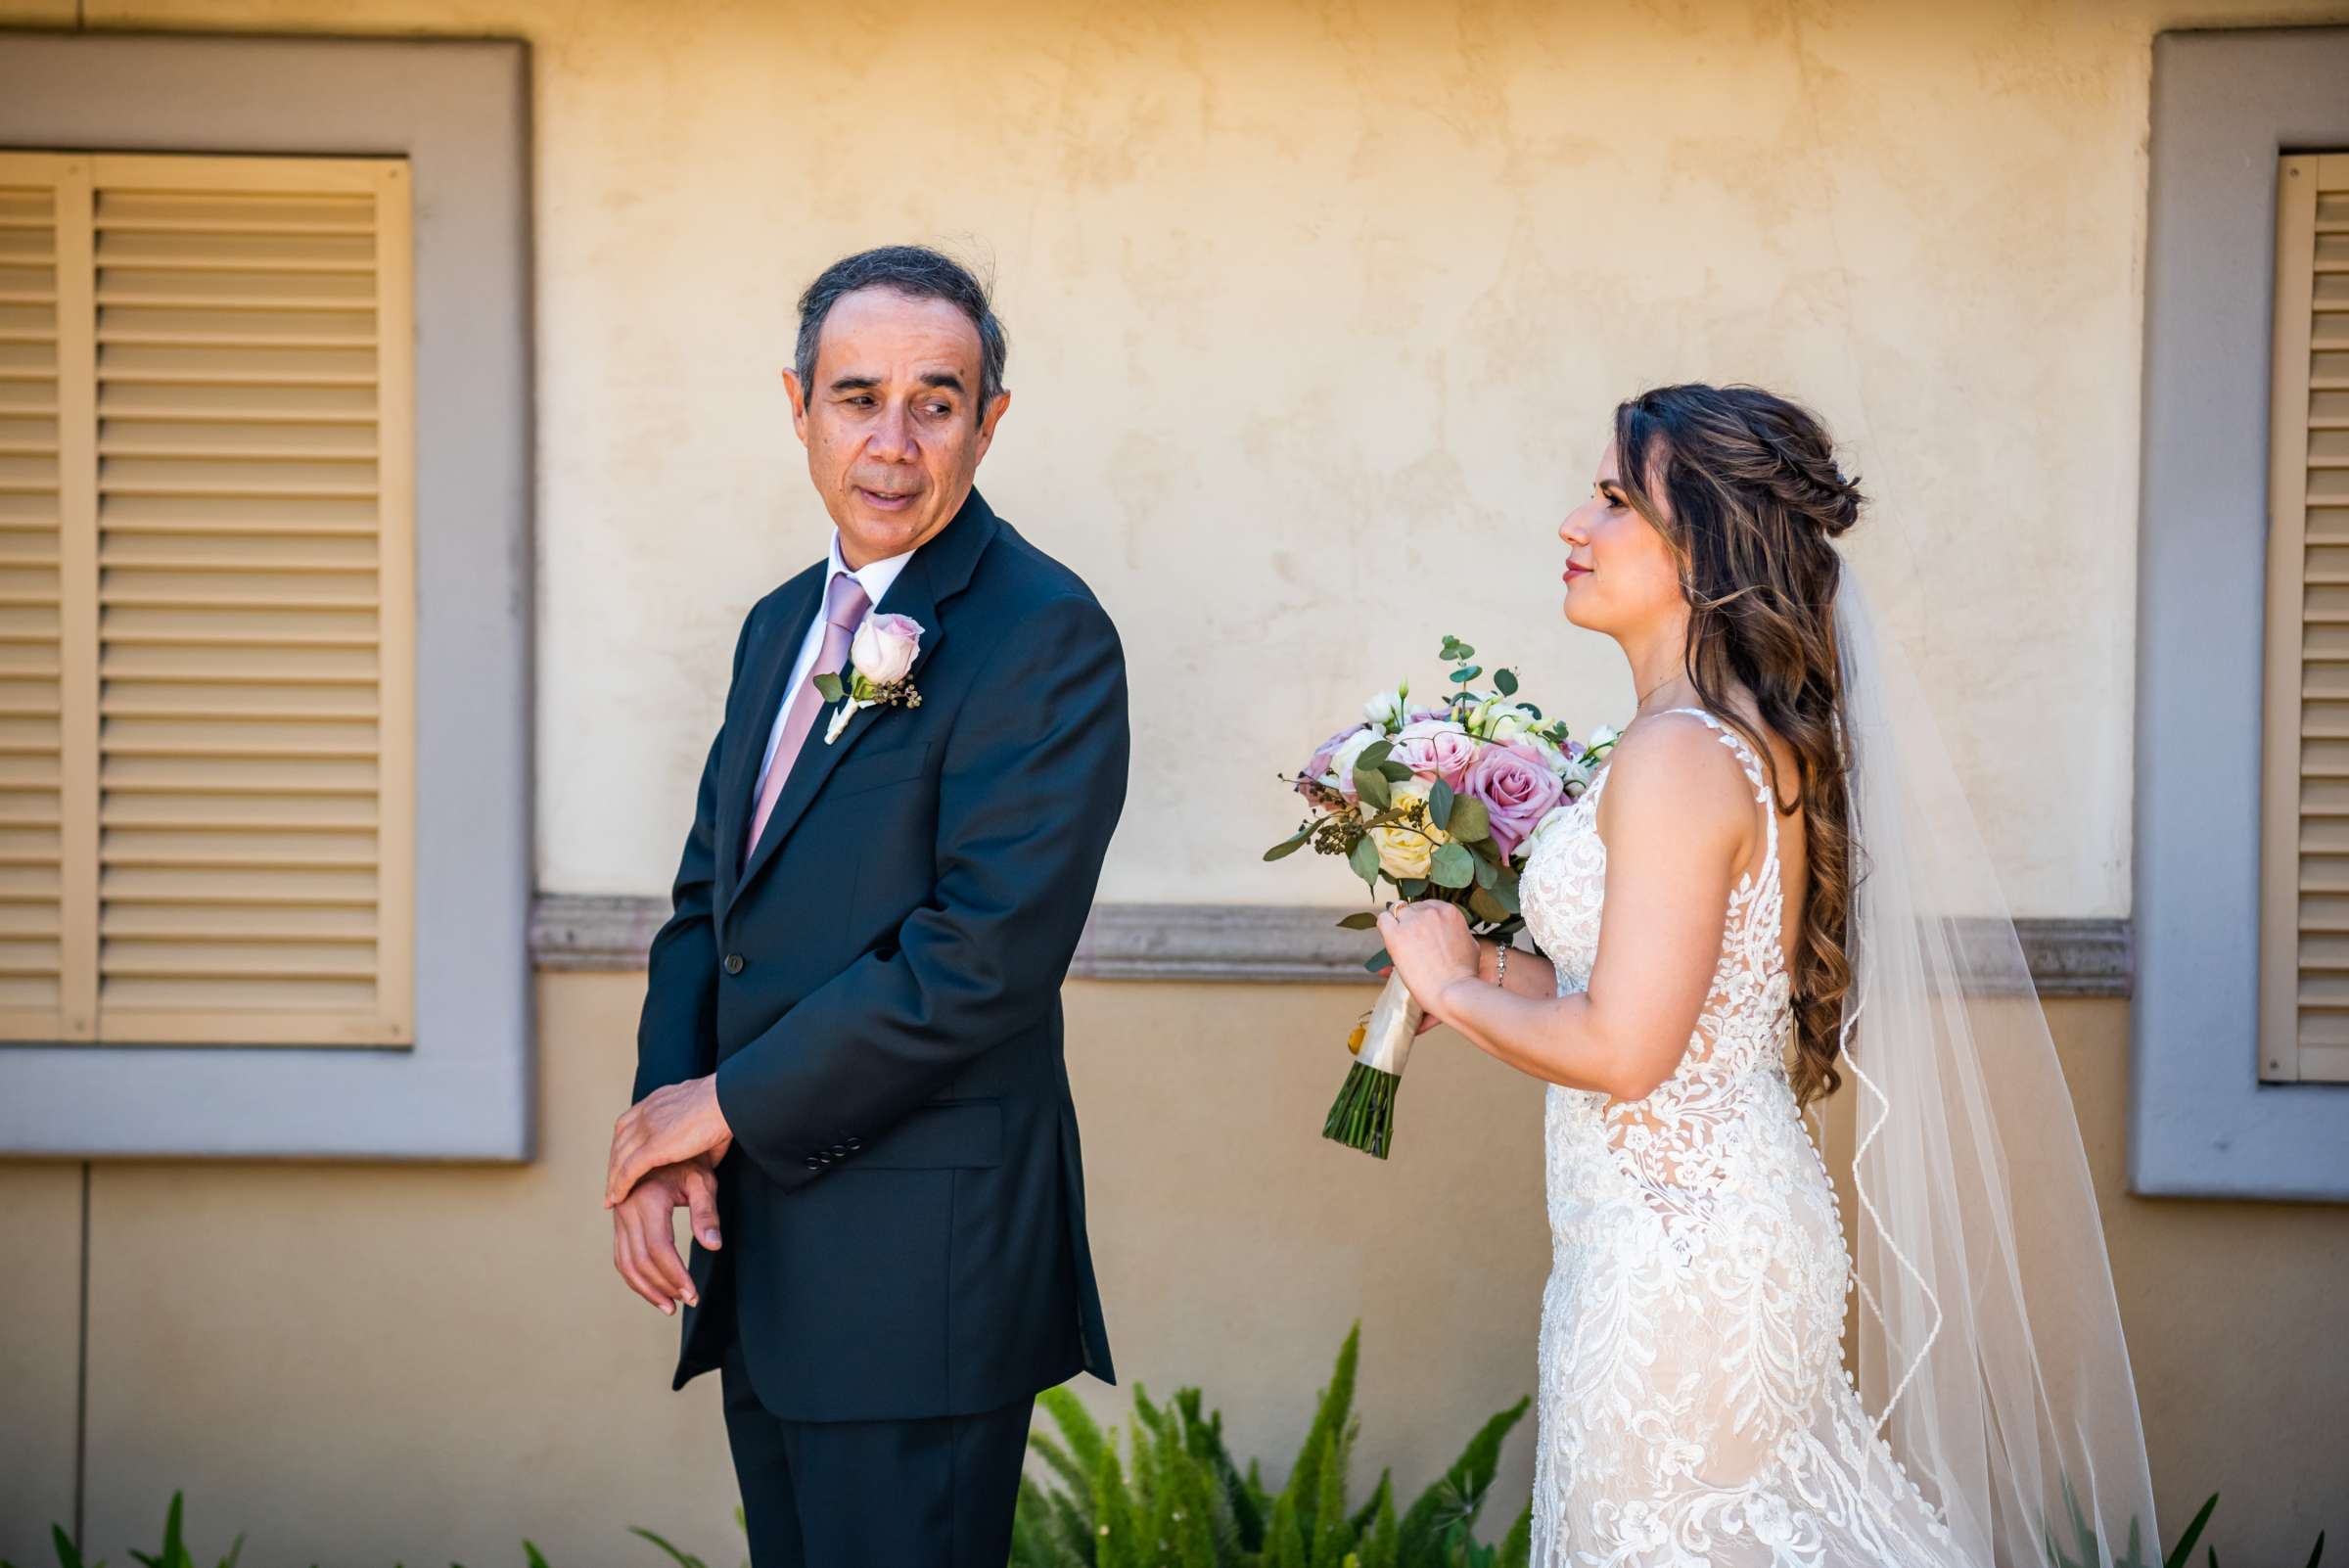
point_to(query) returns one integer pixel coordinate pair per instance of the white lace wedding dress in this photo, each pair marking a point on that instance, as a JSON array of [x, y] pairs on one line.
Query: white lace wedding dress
[[1693, 1407]]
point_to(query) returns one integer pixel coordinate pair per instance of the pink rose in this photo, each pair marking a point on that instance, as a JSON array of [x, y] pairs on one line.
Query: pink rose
[[884, 647], [1518, 790], [1435, 748]]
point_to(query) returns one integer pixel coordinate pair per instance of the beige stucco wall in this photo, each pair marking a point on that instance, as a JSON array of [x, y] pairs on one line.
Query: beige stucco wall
[[366, 1365], [1307, 303], [1312, 307]]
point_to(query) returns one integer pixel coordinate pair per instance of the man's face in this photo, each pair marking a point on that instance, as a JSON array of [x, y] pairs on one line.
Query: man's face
[[892, 423]]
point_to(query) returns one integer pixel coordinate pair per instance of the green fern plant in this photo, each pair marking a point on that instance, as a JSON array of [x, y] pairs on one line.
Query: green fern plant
[[1174, 1497]]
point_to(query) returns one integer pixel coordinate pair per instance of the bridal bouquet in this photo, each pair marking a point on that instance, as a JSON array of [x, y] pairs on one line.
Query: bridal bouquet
[[1443, 801]]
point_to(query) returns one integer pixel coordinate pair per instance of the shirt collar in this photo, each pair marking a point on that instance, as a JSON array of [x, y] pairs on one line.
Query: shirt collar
[[875, 577]]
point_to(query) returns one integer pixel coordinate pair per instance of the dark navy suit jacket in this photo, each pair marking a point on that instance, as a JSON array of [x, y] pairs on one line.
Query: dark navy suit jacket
[[878, 991]]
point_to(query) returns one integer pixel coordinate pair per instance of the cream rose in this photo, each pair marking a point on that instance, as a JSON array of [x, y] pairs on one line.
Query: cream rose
[[1405, 852]]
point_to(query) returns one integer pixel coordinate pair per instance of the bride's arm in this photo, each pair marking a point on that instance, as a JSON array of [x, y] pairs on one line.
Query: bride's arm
[[1676, 820]]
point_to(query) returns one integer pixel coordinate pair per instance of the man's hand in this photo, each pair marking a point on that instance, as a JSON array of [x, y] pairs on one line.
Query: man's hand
[[644, 1249], [667, 1126]]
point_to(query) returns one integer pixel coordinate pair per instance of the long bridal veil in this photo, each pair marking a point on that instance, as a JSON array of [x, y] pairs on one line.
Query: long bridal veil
[[1990, 1348]]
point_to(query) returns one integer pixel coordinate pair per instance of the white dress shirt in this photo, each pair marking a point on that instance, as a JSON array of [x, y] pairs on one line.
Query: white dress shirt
[[875, 578]]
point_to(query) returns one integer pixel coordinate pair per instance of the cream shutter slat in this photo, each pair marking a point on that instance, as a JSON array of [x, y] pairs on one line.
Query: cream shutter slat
[[2304, 982], [47, 805], [254, 550]]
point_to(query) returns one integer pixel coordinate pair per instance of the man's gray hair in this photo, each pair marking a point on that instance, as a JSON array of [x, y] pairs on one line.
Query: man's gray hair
[[919, 273]]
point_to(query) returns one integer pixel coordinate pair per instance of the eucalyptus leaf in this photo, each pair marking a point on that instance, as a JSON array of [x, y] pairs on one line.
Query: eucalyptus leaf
[[1290, 846], [1465, 673], [1451, 866], [1439, 805], [1395, 772], [828, 686], [1505, 893], [1507, 680], [1462, 651], [1364, 860], [1470, 821], [1371, 785], [1374, 963], [1374, 754], [1359, 920], [1487, 872], [1486, 908], [1413, 887]]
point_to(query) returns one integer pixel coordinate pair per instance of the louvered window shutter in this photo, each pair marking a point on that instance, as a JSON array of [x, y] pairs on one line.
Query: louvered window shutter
[[206, 629], [2304, 991]]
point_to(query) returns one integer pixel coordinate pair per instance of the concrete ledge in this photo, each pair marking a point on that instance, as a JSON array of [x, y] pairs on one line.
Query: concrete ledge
[[1248, 942]]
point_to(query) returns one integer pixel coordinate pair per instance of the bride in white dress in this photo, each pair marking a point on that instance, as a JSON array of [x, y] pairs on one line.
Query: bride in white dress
[[1775, 848]]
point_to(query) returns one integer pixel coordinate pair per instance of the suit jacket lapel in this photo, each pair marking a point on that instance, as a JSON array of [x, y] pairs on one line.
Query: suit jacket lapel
[[937, 571], [771, 667]]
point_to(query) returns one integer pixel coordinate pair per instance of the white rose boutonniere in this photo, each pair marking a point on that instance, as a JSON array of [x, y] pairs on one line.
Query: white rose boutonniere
[[879, 659]]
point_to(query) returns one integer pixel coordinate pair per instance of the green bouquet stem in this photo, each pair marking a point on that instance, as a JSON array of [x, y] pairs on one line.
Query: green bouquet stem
[[1363, 1116]]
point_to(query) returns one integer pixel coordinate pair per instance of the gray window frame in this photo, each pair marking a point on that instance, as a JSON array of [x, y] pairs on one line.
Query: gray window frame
[[459, 112], [2226, 106]]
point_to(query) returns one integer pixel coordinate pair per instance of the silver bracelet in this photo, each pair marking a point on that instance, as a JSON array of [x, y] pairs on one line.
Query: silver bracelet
[[1501, 962]]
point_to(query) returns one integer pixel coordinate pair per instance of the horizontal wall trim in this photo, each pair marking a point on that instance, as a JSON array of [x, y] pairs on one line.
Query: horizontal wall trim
[[1251, 942]]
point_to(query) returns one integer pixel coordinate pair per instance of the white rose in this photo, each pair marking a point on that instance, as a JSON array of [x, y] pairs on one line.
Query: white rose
[[1548, 752], [1549, 819], [1604, 735], [883, 648], [1342, 764], [1385, 708], [1508, 724]]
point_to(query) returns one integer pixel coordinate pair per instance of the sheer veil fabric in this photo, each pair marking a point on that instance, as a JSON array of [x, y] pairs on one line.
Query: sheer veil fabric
[[1989, 1346]]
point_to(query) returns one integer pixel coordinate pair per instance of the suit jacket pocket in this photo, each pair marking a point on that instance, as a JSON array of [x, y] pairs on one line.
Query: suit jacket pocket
[[942, 1134], [871, 770]]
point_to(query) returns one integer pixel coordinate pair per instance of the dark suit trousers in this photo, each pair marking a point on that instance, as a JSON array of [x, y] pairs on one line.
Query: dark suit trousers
[[921, 1493]]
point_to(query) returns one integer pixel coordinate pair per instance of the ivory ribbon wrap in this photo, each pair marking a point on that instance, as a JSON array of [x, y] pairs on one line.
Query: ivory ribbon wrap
[[1394, 1024]]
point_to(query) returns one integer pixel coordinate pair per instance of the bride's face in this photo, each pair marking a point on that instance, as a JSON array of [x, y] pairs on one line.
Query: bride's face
[[1620, 573]]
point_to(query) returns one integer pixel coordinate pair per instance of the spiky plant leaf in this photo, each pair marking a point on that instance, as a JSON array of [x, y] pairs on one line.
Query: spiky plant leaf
[[1117, 1529], [1367, 1514], [2181, 1554], [1517, 1547], [1457, 1496], [1323, 1443], [683, 1559]]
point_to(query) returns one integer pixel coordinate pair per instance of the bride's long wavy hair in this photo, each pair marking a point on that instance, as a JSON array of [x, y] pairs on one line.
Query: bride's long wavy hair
[[1752, 496]]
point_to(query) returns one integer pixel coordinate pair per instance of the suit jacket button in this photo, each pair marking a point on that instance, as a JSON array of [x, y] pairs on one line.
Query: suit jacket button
[[734, 963], [840, 1151], [815, 1164], [855, 1145]]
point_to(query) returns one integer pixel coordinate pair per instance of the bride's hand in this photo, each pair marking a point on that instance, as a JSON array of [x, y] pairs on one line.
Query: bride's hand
[[1431, 945]]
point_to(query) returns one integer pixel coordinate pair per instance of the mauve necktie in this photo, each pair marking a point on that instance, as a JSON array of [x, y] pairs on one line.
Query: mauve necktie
[[843, 608]]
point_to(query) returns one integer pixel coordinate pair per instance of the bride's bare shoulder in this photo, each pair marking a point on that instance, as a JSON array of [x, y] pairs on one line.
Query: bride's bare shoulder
[[1671, 769]]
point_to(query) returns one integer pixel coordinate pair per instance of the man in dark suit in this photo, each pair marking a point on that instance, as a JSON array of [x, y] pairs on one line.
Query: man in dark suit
[[849, 1062]]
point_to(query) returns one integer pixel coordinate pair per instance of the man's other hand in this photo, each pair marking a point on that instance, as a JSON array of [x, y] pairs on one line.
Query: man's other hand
[[667, 1126], [644, 1246]]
